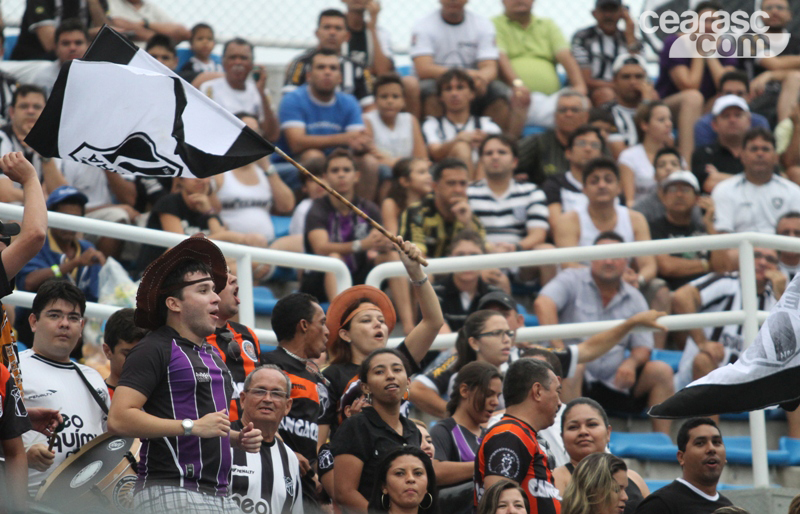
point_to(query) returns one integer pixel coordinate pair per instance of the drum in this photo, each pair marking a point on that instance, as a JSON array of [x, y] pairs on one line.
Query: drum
[[99, 478]]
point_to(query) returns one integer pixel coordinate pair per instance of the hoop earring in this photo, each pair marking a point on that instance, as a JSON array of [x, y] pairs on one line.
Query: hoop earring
[[429, 496], [383, 502], [369, 398]]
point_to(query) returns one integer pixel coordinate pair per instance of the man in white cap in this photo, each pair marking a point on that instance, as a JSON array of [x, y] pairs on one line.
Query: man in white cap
[[680, 192], [713, 163]]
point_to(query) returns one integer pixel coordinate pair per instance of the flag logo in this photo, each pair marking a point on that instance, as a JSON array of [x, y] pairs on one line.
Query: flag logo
[[136, 154]]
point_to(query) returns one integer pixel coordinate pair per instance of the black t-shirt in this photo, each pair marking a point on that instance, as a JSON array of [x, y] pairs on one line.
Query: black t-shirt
[[454, 443], [356, 79], [367, 437], [678, 498], [717, 155], [181, 381], [13, 417], [754, 68], [661, 228], [299, 429], [192, 222], [47, 12], [541, 156], [6, 335], [450, 300], [340, 376]]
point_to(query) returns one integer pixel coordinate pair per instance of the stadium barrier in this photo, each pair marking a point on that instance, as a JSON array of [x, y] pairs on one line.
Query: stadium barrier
[[749, 316]]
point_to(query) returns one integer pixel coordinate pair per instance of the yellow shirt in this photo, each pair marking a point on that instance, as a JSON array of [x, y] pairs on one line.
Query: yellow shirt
[[532, 51]]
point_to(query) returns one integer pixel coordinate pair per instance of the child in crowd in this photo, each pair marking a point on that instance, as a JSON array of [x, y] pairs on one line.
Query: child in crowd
[[411, 182], [202, 44], [396, 134], [458, 133]]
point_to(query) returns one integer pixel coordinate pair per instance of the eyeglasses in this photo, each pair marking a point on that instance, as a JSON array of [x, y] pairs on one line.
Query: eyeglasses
[[591, 144], [57, 316], [575, 110], [498, 333], [274, 393], [769, 258], [775, 8]]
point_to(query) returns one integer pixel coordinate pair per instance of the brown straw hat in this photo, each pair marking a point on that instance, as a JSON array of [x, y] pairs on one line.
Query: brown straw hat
[[349, 296], [196, 248]]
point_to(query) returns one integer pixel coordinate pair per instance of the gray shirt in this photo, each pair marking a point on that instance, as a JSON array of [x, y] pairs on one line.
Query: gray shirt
[[652, 209], [578, 300]]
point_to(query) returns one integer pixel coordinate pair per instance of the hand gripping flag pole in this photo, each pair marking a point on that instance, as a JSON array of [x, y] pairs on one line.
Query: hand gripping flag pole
[[377, 226]]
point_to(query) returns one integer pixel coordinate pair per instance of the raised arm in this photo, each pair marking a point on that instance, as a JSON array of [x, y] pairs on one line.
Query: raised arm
[[421, 337]]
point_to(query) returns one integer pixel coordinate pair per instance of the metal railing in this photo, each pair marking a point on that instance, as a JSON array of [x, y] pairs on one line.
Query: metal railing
[[749, 316], [244, 255]]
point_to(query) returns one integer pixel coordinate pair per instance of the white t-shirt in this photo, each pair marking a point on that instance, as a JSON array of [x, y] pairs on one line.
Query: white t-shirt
[[463, 45], [442, 130], [147, 11], [397, 142], [743, 206], [297, 225], [644, 174], [235, 100], [57, 385], [88, 180], [245, 208]]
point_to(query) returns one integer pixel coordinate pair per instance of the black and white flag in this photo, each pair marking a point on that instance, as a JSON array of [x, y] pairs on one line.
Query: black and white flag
[[121, 110], [767, 373]]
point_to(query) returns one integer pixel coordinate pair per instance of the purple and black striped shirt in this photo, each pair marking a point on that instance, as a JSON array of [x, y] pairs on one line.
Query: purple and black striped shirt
[[181, 380]]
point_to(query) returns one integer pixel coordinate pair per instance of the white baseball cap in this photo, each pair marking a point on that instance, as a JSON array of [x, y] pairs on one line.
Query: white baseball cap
[[726, 101], [623, 59], [684, 177]]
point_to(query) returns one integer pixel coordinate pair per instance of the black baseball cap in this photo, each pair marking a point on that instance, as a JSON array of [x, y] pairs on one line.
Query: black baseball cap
[[499, 297], [607, 3]]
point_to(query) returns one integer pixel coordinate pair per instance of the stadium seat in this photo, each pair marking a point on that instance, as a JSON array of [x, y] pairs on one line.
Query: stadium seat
[[671, 357], [263, 301], [11, 42], [530, 319], [530, 130], [404, 71], [655, 485], [281, 225], [21, 347], [738, 451], [642, 445], [790, 445]]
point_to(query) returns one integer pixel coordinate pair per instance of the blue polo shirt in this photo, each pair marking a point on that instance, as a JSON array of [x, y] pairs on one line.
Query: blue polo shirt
[[299, 109]]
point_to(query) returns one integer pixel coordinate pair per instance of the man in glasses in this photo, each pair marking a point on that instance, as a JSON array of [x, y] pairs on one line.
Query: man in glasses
[[789, 225], [53, 381], [708, 348], [268, 481]]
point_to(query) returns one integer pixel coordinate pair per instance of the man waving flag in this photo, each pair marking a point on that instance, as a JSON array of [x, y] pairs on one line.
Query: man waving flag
[[767, 373], [121, 110]]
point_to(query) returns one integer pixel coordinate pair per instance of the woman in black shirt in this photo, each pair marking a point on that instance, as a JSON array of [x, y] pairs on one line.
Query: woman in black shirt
[[365, 439], [406, 484]]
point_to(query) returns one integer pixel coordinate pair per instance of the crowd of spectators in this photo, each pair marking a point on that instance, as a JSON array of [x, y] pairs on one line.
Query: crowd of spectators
[[445, 158]]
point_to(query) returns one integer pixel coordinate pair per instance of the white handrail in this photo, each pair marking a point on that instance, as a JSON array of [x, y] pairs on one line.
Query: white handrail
[[748, 317], [244, 255]]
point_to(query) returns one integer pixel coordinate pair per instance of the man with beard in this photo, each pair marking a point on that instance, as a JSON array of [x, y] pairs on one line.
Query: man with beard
[[237, 344], [332, 34], [238, 92], [701, 454], [316, 119], [175, 391]]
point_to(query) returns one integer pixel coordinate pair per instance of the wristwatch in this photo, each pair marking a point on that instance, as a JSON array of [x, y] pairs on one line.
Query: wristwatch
[[187, 425]]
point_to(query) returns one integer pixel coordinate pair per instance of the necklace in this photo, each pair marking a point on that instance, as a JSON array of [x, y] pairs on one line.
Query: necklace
[[311, 367]]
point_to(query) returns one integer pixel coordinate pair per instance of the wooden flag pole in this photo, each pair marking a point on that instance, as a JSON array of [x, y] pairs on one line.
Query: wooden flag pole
[[377, 226]]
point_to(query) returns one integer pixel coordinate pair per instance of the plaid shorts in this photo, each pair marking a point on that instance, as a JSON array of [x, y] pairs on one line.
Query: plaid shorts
[[164, 499]]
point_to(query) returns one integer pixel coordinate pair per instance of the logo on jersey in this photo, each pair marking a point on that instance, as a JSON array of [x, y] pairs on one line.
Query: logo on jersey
[[249, 349], [249, 506], [503, 462], [116, 444], [325, 459], [542, 489], [49, 392], [777, 203], [289, 486], [19, 405], [202, 376], [324, 399]]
